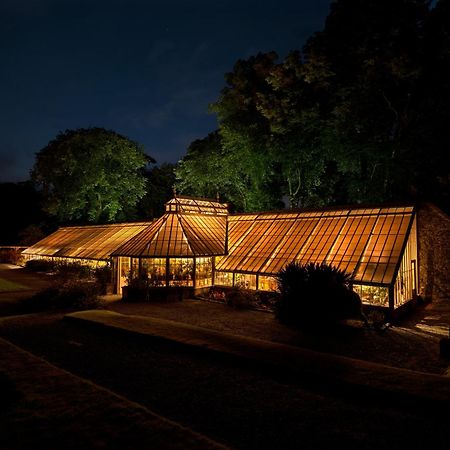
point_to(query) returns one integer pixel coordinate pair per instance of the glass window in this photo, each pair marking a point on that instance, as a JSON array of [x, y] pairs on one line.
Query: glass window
[[267, 283], [181, 272], [203, 272], [373, 295], [223, 278], [155, 268], [245, 280], [134, 267], [124, 267]]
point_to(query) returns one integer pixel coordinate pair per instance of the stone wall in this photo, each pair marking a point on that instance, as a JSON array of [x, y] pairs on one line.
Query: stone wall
[[434, 252]]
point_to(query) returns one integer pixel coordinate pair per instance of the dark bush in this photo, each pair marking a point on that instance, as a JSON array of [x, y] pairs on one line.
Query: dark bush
[[72, 269], [137, 288], [103, 275], [266, 300], [315, 294], [40, 265], [216, 294], [240, 298], [70, 295]]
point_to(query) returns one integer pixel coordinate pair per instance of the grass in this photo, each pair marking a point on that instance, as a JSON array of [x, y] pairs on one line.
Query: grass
[[410, 346], [52, 406], [230, 403], [8, 286]]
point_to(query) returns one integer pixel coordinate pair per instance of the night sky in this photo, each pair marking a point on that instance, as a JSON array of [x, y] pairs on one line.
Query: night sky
[[145, 69]]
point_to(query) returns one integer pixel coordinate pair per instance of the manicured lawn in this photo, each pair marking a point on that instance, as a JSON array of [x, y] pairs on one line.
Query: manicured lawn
[[413, 344], [226, 401], [8, 286], [74, 413]]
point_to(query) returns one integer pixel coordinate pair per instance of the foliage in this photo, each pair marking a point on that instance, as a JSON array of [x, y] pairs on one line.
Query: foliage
[[103, 275], [266, 300], [144, 288], [67, 295], [201, 171], [216, 294], [137, 286], [72, 270], [360, 115], [239, 297], [160, 181], [315, 294], [374, 51], [90, 174], [40, 265]]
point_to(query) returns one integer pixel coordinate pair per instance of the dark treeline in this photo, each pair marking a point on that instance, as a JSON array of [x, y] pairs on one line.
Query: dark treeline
[[87, 175], [25, 220], [361, 114]]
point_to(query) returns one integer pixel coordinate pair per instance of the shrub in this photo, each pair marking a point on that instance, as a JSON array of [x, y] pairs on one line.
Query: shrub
[[137, 288], [216, 294], [312, 294], [239, 297], [40, 265], [69, 295], [73, 269], [266, 300], [103, 275]]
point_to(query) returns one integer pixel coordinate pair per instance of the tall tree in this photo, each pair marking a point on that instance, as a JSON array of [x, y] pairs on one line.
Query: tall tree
[[245, 133], [208, 169], [90, 175], [292, 110], [360, 115], [160, 181], [374, 49]]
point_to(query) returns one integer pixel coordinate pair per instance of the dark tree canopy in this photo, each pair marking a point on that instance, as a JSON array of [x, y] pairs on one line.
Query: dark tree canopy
[[90, 174], [361, 114], [159, 185]]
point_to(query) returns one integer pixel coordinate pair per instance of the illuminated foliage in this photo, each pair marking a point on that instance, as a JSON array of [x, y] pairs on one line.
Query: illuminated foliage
[[360, 115], [315, 294], [90, 174]]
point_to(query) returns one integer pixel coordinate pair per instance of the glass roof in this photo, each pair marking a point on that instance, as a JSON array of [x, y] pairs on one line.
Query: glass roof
[[196, 206], [365, 242], [86, 242], [179, 235]]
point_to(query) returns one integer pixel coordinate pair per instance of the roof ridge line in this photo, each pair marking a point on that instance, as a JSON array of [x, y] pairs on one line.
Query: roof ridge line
[[184, 233]]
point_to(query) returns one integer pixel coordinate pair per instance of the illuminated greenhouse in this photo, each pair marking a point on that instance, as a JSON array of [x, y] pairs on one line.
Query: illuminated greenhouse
[[196, 244]]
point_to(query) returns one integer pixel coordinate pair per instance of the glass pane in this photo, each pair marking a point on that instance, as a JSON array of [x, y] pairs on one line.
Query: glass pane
[[223, 279], [203, 272], [155, 268], [245, 280], [267, 283], [373, 295], [181, 272]]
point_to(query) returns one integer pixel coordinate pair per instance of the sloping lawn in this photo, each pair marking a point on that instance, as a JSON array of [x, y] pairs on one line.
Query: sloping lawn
[[8, 286]]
